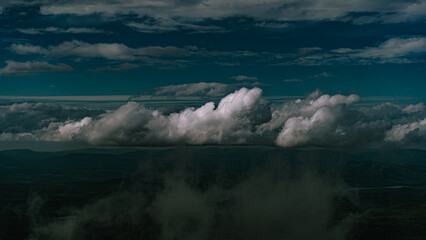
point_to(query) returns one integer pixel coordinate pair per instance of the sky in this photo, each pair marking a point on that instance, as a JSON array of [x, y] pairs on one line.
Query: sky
[[277, 72], [74, 47]]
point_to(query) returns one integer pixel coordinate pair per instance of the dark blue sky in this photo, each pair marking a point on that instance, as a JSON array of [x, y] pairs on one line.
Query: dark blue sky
[[291, 47]]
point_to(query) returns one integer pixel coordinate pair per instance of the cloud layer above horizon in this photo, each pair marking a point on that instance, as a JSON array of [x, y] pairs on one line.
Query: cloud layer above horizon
[[241, 117]]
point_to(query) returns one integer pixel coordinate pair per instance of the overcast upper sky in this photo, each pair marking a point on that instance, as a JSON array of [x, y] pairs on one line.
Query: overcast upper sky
[[290, 47]]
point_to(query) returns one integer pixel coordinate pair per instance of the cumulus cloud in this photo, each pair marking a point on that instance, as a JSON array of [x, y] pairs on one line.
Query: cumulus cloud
[[409, 132], [23, 68], [206, 124], [241, 117], [111, 51], [419, 107]]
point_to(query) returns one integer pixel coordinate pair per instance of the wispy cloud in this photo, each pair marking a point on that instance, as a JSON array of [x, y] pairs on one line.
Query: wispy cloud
[[394, 50], [293, 80], [36, 31], [170, 25], [205, 89], [116, 68], [111, 51], [23, 68], [244, 78]]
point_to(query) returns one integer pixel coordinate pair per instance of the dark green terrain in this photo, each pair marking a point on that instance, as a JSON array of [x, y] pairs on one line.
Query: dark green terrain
[[213, 193]]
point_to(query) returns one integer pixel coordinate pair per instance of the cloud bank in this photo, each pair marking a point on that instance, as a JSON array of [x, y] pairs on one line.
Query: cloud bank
[[241, 117]]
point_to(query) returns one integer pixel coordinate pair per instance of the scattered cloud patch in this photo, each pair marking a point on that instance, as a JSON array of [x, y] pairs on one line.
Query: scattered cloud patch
[[322, 75], [116, 68], [244, 78], [292, 80], [394, 50]]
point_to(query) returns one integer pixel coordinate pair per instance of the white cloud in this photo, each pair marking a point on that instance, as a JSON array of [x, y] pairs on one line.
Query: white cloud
[[22, 68], [395, 47], [133, 124], [406, 133], [306, 130], [420, 107], [241, 117]]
